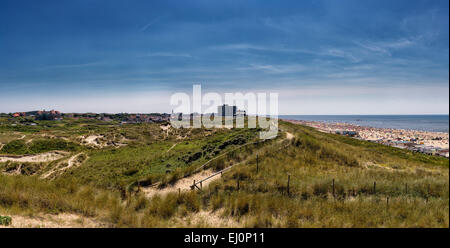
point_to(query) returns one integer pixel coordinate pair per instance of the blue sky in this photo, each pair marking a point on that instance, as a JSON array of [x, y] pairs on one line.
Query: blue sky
[[322, 57]]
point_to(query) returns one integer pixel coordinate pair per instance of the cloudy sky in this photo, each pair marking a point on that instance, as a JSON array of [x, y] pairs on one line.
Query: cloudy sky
[[322, 57]]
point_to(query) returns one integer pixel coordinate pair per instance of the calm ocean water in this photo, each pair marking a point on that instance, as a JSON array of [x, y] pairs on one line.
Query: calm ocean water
[[434, 123]]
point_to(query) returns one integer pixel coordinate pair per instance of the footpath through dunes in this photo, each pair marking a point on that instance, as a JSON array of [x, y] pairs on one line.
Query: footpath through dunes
[[173, 146], [183, 184], [289, 136], [62, 166], [35, 158], [93, 140], [199, 179]]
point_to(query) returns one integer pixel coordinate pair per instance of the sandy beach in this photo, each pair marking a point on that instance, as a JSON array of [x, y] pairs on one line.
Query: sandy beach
[[423, 141]]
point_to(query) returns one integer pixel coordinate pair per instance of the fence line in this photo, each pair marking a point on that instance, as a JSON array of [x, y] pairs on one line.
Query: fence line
[[237, 148], [194, 185]]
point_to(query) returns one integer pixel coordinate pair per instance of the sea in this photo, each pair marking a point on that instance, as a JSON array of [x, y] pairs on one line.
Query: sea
[[432, 123]]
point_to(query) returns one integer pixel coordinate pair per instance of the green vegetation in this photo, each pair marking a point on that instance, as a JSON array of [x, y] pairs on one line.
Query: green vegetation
[[5, 220], [312, 180], [38, 146], [119, 167]]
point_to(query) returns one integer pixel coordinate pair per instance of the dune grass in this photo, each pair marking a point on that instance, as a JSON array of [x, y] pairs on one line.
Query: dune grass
[[146, 163], [313, 180]]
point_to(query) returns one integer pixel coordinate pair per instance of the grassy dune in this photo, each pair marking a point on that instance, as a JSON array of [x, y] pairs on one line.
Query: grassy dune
[[312, 180]]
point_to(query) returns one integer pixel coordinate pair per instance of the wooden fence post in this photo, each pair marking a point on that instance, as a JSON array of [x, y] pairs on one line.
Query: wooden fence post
[[201, 184], [289, 179], [387, 202]]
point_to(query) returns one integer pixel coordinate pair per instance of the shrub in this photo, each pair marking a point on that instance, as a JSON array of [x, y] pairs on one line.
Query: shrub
[[15, 147], [191, 201], [5, 220], [38, 146]]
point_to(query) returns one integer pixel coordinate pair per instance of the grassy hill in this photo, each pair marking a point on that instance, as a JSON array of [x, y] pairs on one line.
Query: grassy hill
[[311, 179]]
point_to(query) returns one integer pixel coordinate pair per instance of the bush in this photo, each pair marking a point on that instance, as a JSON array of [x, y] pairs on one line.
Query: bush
[[38, 146], [15, 147], [5, 220]]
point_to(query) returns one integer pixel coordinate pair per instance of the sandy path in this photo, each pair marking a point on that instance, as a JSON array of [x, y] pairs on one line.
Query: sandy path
[[186, 183], [63, 220], [92, 140], [183, 184], [166, 129], [289, 136], [38, 158], [71, 162], [172, 147]]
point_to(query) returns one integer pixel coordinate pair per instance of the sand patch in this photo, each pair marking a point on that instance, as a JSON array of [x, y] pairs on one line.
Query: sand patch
[[37, 158], [183, 184], [165, 127], [289, 136], [93, 140], [72, 161]]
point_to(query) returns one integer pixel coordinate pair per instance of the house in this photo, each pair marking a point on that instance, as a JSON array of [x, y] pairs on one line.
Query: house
[[48, 115], [19, 114]]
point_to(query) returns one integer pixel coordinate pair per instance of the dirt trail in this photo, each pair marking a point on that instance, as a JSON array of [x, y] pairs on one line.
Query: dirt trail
[[186, 183], [92, 140], [37, 158], [166, 129], [183, 184], [289, 136], [63, 220], [172, 147], [70, 162]]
